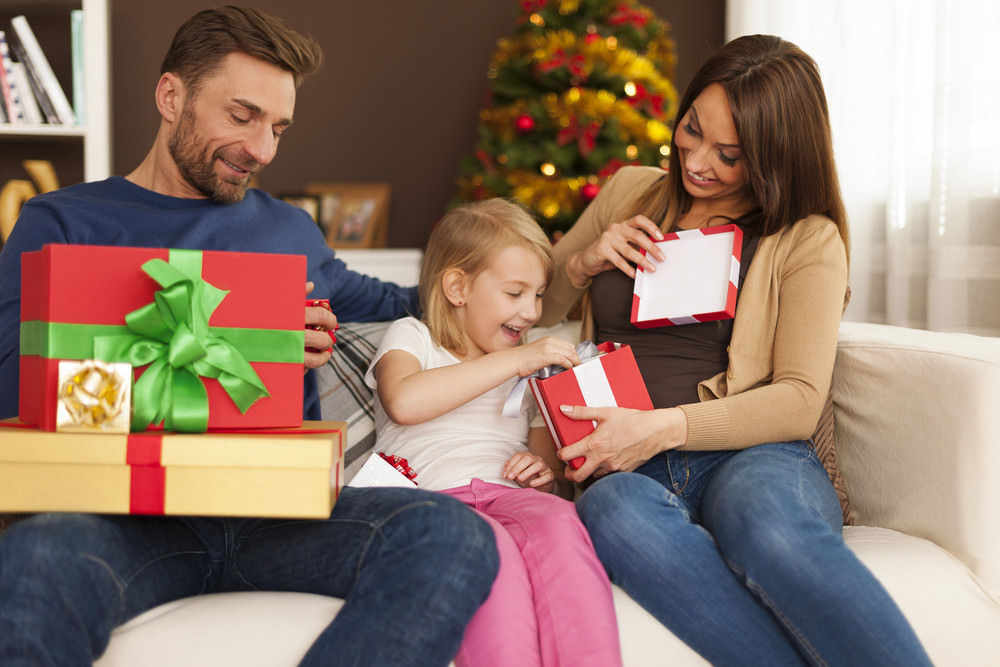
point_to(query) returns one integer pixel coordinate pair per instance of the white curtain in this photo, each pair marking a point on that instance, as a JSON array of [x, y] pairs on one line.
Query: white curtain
[[914, 94]]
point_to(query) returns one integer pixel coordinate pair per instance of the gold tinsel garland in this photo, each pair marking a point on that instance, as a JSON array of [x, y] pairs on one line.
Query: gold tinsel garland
[[632, 66]]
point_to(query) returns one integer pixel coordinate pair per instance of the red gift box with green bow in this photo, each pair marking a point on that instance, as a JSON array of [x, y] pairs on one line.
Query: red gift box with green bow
[[216, 339]]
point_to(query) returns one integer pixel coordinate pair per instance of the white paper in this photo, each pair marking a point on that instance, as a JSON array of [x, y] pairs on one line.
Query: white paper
[[377, 472], [694, 279]]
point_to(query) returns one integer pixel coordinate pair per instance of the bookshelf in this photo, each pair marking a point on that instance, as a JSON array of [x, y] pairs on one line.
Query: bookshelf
[[69, 147]]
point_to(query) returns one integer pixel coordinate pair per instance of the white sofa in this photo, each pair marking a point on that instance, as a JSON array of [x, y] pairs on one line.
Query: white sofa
[[918, 439]]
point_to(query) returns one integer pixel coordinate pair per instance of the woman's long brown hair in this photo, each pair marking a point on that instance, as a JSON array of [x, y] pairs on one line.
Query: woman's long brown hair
[[783, 123]]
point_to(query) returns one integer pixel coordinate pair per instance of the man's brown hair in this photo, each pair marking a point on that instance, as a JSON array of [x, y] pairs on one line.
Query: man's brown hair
[[206, 38]]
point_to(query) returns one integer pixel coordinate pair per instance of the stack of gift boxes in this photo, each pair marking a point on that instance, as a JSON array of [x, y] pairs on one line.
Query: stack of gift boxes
[[157, 381]]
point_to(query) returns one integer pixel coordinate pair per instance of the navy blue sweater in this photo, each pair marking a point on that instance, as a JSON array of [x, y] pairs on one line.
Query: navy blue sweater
[[117, 212]]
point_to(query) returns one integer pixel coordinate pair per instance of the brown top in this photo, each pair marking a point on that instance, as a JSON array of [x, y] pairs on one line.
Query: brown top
[[671, 359]]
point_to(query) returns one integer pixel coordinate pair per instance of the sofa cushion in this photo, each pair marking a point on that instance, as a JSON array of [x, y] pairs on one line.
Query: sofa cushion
[[344, 396], [823, 443]]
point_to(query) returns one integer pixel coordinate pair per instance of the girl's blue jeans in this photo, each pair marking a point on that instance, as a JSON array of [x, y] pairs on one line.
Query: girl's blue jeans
[[413, 567], [741, 555]]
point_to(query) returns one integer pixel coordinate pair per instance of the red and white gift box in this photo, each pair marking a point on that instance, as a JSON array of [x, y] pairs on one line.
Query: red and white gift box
[[609, 380], [696, 282]]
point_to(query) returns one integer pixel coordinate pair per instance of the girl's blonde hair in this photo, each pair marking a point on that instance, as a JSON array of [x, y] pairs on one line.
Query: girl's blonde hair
[[468, 238]]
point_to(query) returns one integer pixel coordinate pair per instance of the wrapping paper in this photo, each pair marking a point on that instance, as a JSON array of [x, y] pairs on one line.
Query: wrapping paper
[[381, 471]]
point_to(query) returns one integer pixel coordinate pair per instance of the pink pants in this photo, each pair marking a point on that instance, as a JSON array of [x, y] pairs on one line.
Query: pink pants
[[551, 602]]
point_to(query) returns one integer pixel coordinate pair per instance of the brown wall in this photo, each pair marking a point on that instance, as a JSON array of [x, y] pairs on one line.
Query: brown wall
[[396, 101]]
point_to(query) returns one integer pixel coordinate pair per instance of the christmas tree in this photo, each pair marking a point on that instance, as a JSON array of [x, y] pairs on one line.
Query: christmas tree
[[583, 88]]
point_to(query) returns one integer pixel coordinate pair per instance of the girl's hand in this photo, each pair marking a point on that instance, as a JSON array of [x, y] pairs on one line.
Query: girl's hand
[[547, 351], [623, 440], [617, 246], [529, 471]]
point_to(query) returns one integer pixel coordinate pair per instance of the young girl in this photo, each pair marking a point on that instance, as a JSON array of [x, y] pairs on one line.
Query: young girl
[[440, 388]]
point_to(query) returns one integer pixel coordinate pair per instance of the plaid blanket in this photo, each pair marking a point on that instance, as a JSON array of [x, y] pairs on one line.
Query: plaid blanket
[[343, 393]]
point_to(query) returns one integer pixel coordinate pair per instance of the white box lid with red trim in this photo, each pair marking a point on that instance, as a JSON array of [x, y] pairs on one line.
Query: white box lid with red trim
[[696, 283]]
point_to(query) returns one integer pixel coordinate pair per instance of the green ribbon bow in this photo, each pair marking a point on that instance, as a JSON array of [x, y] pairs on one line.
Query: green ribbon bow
[[171, 335]]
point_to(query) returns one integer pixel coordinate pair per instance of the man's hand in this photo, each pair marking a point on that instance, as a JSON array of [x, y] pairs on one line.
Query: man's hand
[[320, 325]]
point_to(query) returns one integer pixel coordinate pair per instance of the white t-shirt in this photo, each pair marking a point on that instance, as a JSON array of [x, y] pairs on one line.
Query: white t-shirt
[[470, 442]]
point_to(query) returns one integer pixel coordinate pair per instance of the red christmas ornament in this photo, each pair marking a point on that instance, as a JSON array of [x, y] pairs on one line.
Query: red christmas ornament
[[589, 191], [524, 123]]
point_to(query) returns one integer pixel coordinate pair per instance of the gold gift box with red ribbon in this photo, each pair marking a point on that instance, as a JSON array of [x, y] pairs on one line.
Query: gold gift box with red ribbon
[[216, 338], [292, 473]]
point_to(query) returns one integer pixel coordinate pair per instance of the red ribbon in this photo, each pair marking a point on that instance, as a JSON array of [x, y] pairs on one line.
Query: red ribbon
[[585, 135], [148, 486], [625, 14], [643, 100], [400, 464], [575, 64]]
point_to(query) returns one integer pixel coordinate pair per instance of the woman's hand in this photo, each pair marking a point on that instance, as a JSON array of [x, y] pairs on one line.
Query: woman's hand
[[529, 471], [546, 351], [623, 440], [618, 246]]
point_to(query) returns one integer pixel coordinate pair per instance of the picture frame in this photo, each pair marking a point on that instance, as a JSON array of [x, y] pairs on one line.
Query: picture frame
[[353, 215], [308, 203]]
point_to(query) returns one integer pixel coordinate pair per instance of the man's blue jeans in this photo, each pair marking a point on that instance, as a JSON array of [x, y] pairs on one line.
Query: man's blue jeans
[[412, 565], [741, 555]]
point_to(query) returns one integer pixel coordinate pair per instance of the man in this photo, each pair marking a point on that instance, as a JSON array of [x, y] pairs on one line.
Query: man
[[412, 565]]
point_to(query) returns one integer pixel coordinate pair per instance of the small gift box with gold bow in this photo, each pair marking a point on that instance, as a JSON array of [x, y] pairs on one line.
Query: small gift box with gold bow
[[293, 473], [215, 339]]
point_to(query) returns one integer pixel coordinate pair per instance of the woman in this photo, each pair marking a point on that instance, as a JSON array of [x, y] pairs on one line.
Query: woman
[[721, 521]]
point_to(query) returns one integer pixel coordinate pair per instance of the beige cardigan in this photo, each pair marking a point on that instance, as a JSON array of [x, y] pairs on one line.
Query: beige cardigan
[[780, 359]]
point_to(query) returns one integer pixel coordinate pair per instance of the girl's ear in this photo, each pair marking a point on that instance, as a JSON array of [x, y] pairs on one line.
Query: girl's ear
[[453, 284]]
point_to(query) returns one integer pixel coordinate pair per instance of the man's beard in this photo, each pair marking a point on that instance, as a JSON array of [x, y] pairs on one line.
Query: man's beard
[[199, 169]]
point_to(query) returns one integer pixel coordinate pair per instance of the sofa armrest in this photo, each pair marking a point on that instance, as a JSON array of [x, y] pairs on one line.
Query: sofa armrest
[[918, 437]]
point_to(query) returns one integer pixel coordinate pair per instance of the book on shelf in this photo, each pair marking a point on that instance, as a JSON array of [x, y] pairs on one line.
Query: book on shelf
[[10, 96], [32, 89], [51, 97], [79, 74], [30, 110]]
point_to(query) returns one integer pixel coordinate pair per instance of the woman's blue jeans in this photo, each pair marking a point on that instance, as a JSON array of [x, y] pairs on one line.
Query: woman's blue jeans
[[412, 565], [741, 555]]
